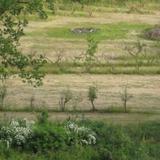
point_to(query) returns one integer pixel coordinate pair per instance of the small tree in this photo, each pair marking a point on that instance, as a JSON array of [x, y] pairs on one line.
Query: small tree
[[32, 101], [92, 95], [3, 93], [91, 51], [13, 20], [43, 117], [65, 97], [76, 100], [136, 51], [125, 97]]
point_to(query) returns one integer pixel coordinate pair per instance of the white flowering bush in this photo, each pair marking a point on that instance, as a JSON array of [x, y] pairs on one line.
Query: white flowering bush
[[80, 134], [16, 132]]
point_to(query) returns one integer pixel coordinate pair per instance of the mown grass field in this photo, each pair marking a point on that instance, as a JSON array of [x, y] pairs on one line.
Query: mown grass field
[[118, 25]]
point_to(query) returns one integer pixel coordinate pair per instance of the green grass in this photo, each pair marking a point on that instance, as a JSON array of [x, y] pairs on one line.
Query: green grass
[[110, 110], [150, 4], [71, 68], [108, 31]]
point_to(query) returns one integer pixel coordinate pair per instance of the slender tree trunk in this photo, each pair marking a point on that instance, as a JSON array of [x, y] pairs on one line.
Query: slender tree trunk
[[125, 106], [62, 105], [93, 106], [137, 65], [1, 104]]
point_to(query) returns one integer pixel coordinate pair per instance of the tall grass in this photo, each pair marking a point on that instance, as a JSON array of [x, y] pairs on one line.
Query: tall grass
[[114, 142]]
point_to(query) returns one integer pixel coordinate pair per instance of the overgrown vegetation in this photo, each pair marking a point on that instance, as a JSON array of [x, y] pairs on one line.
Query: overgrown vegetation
[[84, 140]]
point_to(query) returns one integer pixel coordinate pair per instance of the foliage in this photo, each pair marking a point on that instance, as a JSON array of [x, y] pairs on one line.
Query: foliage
[[13, 20], [43, 117], [16, 133], [90, 53], [113, 142], [80, 134], [46, 137]]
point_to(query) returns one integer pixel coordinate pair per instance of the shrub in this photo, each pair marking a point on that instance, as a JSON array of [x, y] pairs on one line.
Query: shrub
[[153, 33], [80, 134], [46, 137], [104, 154], [16, 133], [66, 142], [43, 117]]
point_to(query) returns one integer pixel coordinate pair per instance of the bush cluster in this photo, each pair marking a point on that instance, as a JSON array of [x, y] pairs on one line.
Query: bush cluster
[[80, 134], [16, 133], [85, 140], [44, 136]]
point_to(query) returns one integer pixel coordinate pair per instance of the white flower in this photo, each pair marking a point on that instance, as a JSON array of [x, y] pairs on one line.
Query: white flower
[[84, 141], [14, 123], [16, 132], [91, 139], [83, 135]]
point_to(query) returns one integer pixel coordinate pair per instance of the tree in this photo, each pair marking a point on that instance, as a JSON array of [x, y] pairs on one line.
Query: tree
[[136, 51], [65, 97], [90, 53], [125, 97], [92, 95], [3, 94], [13, 19]]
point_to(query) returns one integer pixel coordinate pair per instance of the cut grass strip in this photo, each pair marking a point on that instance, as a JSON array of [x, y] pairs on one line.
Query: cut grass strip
[[106, 31]]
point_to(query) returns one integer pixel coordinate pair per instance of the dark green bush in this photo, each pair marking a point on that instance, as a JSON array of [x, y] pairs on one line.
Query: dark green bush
[[43, 117], [47, 137]]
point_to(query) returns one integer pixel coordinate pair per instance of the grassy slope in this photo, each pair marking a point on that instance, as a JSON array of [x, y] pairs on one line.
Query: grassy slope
[[45, 36], [108, 31], [43, 39]]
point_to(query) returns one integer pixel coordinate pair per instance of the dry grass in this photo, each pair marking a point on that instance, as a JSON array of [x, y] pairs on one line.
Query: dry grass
[[71, 48], [145, 91]]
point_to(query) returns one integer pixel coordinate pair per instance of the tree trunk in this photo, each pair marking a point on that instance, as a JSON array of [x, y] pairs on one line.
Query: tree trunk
[[125, 106], [62, 105], [2, 104], [93, 106]]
